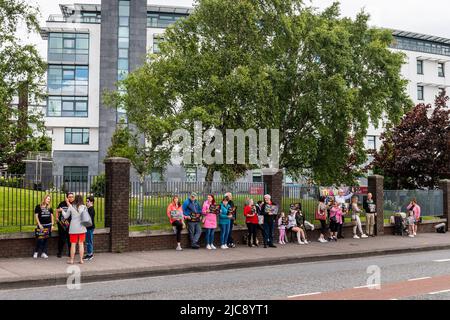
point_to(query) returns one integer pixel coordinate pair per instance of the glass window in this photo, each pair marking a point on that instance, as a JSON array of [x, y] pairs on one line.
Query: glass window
[[257, 176], [441, 69], [371, 142], [156, 41], [67, 106], [124, 32], [69, 43], [419, 67], [76, 174], [124, 10], [69, 74], [124, 21], [191, 174], [123, 64], [68, 47], [76, 136], [123, 53], [420, 93], [157, 20], [123, 43]]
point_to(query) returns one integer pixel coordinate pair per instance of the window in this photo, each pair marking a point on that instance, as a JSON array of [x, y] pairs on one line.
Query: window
[[67, 80], [76, 174], [403, 43], [257, 176], [162, 20], [419, 67], [156, 175], [76, 136], [420, 93], [156, 41], [191, 174], [67, 106], [441, 69], [123, 44], [372, 142], [68, 47], [442, 91]]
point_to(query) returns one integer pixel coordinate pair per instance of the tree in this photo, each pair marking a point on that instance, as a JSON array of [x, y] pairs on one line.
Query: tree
[[21, 75], [127, 144], [317, 78], [416, 153]]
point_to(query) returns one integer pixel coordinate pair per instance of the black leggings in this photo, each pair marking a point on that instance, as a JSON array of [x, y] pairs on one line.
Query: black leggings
[[179, 225], [251, 233], [323, 226], [263, 232]]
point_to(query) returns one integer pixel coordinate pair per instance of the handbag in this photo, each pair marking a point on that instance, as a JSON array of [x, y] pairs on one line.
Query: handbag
[[86, 220], [260, 219], [43, 233], [320, 216]]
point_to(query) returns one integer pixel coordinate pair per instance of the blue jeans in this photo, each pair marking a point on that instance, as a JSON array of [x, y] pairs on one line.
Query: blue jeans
[[268, 229], [224, 232], [209, 236], [195, 231], [90, 241], [230, 238]]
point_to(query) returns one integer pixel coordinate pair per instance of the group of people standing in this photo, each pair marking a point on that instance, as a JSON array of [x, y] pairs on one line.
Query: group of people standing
[[71, 231], [191, 214], [263, 216]]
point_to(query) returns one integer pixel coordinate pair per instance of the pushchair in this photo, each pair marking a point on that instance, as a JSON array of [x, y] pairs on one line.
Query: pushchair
[[400, 224]]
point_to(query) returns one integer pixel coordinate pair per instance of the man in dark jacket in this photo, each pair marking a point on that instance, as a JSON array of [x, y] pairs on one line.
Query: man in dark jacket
[[233, 209], [269, 219], [63, 225], [193, 211]]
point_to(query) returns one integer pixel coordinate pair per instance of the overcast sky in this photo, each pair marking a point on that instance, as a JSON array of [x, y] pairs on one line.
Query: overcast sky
[[429, 17]]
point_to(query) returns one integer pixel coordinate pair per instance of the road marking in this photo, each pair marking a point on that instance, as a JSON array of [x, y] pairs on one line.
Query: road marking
[[442, 260], [442, 291], [417, 279], [367, 286], [305, 295]]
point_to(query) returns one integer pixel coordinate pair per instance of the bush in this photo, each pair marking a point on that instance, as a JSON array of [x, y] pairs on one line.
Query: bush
[[98, 186], [14, 182]]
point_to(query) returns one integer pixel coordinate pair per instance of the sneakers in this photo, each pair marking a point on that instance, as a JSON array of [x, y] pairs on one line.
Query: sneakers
[[322, 240], [355, 236], [305, 241], [213, 247], [272, 246], [195, 246], [44, 256], [208, 247], [224, 247], [88, 257], [415, 234], [364, 236], [301, 242], [411, 236], [231, 245], [179, 248], [35, 255]]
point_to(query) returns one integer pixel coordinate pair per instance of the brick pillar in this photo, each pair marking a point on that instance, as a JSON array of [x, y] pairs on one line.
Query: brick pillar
[[117, 195], [445, 186], [273, 181], [375, 184]]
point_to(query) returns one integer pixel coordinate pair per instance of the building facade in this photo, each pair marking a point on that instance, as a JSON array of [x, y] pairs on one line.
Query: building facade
[[92, 46]]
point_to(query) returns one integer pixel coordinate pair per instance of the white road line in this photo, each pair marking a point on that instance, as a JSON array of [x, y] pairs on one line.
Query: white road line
[[438, 292], [442, 260], [367, 286], [417, 279], [305, 295]]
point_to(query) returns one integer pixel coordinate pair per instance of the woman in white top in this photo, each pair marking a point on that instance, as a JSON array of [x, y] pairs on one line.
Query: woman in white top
[[77, 231], [356, 219]]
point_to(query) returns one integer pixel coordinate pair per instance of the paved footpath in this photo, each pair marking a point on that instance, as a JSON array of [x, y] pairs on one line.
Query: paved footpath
[[28, 272]]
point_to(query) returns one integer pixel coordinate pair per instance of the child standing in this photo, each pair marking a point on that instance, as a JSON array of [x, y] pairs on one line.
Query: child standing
[[411, 220], [209, 221], [282, 223], [335, 219]]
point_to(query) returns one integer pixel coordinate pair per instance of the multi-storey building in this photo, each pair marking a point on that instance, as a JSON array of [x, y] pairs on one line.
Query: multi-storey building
[[92, 46]]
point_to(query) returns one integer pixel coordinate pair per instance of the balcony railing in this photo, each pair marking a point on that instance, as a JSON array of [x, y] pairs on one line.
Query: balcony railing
[[74, 19]]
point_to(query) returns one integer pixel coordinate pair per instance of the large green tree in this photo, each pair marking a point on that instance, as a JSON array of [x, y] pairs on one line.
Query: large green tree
[[21, 77], [279, 64]]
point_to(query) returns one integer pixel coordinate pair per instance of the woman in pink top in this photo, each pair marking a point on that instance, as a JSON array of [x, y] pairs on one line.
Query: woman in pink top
[[175, 215], [335, 219], [209, 221], [416, 209]]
